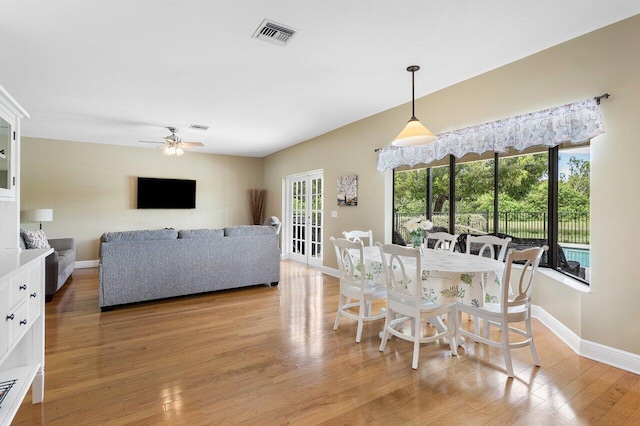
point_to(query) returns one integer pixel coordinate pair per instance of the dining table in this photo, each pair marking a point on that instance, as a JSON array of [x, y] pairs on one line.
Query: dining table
[[448, 277]]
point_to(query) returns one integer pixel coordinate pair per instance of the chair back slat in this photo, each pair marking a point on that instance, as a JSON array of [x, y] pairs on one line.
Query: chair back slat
[[358, 236], [521, 292], [350, 257], [490, 243], [401, 266], [443, 240]]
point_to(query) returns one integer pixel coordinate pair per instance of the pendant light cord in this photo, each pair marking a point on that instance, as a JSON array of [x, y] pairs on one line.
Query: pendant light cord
[[412, 69], [413, 94]]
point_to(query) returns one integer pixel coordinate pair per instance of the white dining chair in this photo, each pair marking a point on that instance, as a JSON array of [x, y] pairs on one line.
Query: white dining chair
[[443, 240], [357, 236], [489, 244], [356, 291], [405, 301], [511, 308]]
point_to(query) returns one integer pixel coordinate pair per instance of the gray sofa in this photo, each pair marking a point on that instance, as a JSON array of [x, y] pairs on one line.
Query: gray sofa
[[59, 265], [137, 266]]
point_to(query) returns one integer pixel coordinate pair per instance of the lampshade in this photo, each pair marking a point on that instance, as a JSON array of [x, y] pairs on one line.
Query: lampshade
[[40, 215], [414, 133]]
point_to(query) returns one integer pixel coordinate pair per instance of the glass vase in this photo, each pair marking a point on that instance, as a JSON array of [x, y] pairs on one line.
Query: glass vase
[[416, 241]]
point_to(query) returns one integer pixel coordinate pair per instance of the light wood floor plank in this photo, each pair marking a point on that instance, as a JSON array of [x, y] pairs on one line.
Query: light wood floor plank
[[269, 355]]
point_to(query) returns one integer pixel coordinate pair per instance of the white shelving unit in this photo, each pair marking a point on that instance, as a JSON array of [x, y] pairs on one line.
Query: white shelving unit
[[21, 280], [16, 383]]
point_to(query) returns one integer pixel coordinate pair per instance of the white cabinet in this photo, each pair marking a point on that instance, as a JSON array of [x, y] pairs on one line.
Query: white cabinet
[[21, 280], [10, 114], [21, 329]]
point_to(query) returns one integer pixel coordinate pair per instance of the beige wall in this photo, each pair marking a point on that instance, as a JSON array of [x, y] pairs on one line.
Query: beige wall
[[91, 191], [92, 188], [603, 61]]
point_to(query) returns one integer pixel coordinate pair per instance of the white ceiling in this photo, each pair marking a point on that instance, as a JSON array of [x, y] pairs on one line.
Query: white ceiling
[[120, 71]]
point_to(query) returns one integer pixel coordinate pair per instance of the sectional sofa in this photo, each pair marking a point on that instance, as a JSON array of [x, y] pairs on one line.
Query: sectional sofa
[[138, 266]]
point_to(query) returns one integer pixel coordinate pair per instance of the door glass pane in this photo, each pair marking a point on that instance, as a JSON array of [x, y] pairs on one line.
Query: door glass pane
[[5, 154], [316, 218], [574, 238], [299, 208]]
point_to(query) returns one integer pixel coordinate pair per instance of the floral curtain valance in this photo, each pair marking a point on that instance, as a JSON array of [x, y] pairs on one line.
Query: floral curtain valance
[[577, 122]]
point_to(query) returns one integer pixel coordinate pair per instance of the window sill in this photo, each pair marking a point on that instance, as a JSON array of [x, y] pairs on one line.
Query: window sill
[[562, 279]]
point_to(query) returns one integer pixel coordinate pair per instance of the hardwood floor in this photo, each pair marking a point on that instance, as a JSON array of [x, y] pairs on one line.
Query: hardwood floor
[[269, 355]]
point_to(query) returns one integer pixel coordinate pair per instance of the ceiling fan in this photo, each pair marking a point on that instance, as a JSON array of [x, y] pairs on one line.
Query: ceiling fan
[[173, 144]]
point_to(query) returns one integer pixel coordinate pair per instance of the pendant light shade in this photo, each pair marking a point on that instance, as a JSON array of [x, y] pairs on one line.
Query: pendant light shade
[[414, 133]]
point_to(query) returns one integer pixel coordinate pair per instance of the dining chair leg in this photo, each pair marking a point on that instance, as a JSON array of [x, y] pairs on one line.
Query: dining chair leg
[[452, 328], [416, 343], [485, 328], [335, 325], [362, 310], [532, 346], [507, 349], [385, 333]]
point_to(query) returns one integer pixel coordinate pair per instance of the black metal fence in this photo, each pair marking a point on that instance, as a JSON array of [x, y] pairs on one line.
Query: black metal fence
[[573, 227]]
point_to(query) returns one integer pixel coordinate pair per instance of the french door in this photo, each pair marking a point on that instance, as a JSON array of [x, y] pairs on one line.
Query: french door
[[304, 217]]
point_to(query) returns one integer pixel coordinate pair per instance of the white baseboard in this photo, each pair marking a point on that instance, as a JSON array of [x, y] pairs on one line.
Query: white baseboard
[[611, 356], [86, 264], [607, 355], [330, 271]]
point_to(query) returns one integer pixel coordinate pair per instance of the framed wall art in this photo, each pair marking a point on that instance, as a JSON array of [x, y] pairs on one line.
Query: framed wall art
[[348, 190]]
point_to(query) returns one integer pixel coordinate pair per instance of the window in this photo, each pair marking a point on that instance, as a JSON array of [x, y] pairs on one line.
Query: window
[[542, 198], [474, 184], [574, 171]]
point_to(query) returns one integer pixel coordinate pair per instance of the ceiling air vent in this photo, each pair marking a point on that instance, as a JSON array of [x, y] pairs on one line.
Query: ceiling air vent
[[274, 32], [199, 127]]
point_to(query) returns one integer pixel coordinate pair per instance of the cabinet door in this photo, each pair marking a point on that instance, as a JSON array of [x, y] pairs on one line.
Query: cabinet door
[[7, 157]]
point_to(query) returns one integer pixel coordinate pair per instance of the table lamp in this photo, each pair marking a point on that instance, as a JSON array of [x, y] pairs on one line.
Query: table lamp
[[40, 215]]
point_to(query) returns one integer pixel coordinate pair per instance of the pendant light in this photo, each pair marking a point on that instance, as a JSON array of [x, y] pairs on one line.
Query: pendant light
[[414, 133]]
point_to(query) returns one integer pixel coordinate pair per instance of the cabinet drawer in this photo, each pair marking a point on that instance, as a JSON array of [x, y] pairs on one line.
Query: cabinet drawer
[[19, 288], [19, 323]]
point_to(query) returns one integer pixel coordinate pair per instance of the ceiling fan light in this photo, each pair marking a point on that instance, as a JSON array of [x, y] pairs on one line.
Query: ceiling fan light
[[166, 151], [179, 151], [414, 133]]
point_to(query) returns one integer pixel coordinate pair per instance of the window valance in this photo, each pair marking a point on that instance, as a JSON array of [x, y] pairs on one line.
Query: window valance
[[577, 122]]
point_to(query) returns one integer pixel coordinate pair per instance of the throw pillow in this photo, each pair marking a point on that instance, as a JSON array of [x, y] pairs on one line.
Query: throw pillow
[[35, 239]]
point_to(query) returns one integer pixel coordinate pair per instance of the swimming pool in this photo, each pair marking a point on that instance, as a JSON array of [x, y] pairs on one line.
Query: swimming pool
[[578, 254]]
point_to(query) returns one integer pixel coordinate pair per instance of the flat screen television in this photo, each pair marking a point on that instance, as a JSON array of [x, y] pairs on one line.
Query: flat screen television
[[156, 193]]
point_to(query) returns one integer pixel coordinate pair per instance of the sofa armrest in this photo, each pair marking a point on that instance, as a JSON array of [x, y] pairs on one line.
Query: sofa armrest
[[51, 275], [59, 244]]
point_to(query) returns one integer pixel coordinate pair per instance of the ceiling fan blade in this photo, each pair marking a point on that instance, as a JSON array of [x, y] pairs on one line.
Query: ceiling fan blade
[[191, 144], [150, 142]]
